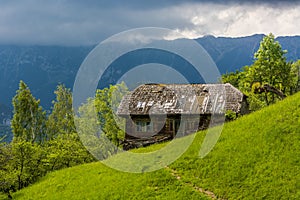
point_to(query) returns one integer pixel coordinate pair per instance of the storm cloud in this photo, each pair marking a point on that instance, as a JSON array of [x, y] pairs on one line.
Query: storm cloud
[[66, 22]]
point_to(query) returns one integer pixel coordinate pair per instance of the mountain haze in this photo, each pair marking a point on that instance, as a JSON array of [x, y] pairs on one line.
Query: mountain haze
[[43, 67]]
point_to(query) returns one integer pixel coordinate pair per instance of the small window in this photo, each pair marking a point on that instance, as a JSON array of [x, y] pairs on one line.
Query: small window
[[144, 126]]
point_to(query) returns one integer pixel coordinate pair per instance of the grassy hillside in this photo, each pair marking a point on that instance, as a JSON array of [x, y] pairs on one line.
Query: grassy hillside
[[256, 157], [96, 181]]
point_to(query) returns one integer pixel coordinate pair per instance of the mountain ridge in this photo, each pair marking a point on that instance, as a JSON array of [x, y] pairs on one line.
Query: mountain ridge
[[43, 67]]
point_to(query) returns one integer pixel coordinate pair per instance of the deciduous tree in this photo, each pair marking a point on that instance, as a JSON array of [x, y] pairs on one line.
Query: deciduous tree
[[29, 118], [270, 67], [269, 70], [61, 119], [106, 103]]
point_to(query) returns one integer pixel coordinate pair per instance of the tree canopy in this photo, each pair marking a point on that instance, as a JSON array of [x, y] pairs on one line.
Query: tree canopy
[[61, 119], [269, 70], [40, 143], [106, 103], [28, 120]]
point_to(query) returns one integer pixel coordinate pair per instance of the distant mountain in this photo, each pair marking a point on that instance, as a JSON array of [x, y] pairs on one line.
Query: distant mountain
[[231, 54], [43, 67], [5, 116]]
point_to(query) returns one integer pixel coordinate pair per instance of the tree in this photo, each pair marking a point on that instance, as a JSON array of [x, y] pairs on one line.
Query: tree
[[28, 120], [106, 102], [295, 77], [32, 154], [270, 67], [64, 148], [61, 119], [27, 162], [28, 127], [7, 179], [234, 78], [89, 129], [269, 79]]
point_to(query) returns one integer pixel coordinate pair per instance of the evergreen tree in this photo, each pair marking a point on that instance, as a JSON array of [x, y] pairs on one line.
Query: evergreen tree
[[29, 119]]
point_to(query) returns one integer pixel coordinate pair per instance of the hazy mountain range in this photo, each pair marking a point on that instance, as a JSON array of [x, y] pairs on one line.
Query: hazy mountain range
[[43, 67]]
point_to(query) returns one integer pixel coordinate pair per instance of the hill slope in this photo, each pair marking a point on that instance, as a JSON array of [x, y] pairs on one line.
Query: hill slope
[[256, 157]]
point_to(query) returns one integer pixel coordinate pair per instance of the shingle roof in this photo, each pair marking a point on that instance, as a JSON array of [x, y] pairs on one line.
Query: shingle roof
[[181, 99]]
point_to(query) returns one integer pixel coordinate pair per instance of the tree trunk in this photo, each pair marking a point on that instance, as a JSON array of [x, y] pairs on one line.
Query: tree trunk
[[268, 88]]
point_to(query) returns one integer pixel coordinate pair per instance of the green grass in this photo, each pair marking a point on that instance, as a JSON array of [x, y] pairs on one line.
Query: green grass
[[96, 181], [256, 157]]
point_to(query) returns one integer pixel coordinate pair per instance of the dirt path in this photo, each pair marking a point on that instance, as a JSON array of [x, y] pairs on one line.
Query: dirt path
[[208, 193]]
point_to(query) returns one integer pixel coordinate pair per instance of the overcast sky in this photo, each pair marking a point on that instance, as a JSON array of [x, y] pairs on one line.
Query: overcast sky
[[70, 22]]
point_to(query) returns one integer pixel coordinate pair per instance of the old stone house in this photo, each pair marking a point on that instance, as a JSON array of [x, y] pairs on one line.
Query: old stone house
[[160, 111]]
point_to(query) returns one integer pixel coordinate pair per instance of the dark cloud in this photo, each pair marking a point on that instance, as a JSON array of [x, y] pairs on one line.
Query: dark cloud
[[165, 3], [88, 22]]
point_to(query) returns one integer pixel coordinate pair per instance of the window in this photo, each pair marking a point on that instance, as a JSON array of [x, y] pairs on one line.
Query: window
[[144, 126]]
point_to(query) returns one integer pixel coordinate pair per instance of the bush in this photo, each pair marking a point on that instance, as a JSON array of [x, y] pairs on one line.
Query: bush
[[230, 115]]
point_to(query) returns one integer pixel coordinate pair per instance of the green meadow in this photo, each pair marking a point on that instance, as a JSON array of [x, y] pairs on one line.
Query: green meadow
[[256, 157]]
